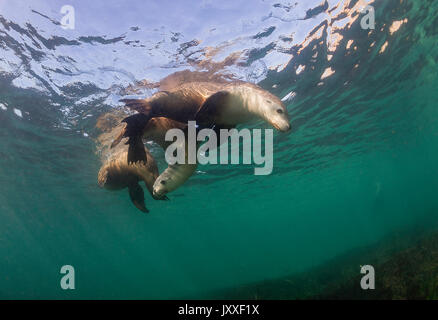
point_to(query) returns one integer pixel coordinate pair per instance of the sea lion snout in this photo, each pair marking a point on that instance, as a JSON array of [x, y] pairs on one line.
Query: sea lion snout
[[160, 187], [159, 193], [277, 115], [282, 126]]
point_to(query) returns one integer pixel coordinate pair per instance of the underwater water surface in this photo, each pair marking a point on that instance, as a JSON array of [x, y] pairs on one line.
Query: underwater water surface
[[359, 164]]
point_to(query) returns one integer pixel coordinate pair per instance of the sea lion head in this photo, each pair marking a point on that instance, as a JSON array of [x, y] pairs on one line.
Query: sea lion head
[[172, 178], [243, 102], [164, 184], [262, 104], [265, 105]]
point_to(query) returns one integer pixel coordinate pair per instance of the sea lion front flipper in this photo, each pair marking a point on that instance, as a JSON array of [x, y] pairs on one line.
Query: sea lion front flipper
[[136, 150], [210, 109], [137, 197]]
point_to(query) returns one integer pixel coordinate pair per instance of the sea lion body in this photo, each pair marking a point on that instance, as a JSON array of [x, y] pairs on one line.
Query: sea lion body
[[211, 105], [221, 104], [180, 104]]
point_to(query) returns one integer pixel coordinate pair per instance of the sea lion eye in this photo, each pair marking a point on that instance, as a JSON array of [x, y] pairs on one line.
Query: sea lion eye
[[269, 101], [280, 111], [163, 182]]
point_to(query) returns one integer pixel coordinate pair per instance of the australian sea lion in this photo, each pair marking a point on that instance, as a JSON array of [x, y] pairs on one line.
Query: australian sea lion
[[175, 174], [117, 172], [218, 105]]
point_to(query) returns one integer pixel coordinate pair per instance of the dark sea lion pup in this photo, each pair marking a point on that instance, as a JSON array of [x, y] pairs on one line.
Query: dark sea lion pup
[[117, 172], [218, 105]]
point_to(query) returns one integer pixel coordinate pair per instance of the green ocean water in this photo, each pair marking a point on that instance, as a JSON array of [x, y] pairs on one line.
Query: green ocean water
[[359, 164]]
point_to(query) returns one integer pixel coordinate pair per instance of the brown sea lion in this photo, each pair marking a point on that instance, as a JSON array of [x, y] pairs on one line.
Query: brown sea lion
[[173, 177], [117, 172], [218, 105]]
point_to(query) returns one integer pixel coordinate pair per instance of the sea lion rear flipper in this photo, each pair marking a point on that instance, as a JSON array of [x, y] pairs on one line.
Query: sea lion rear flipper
[[139, 105], [137, 197], [136, 150], [134, 128], [210, 109], [135, 124]]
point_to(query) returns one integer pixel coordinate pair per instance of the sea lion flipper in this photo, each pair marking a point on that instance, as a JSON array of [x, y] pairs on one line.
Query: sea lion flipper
[[118, 138], [134, 128], [136, 150], [139, 105], [209, 110], [137, 197], [135, 124]]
